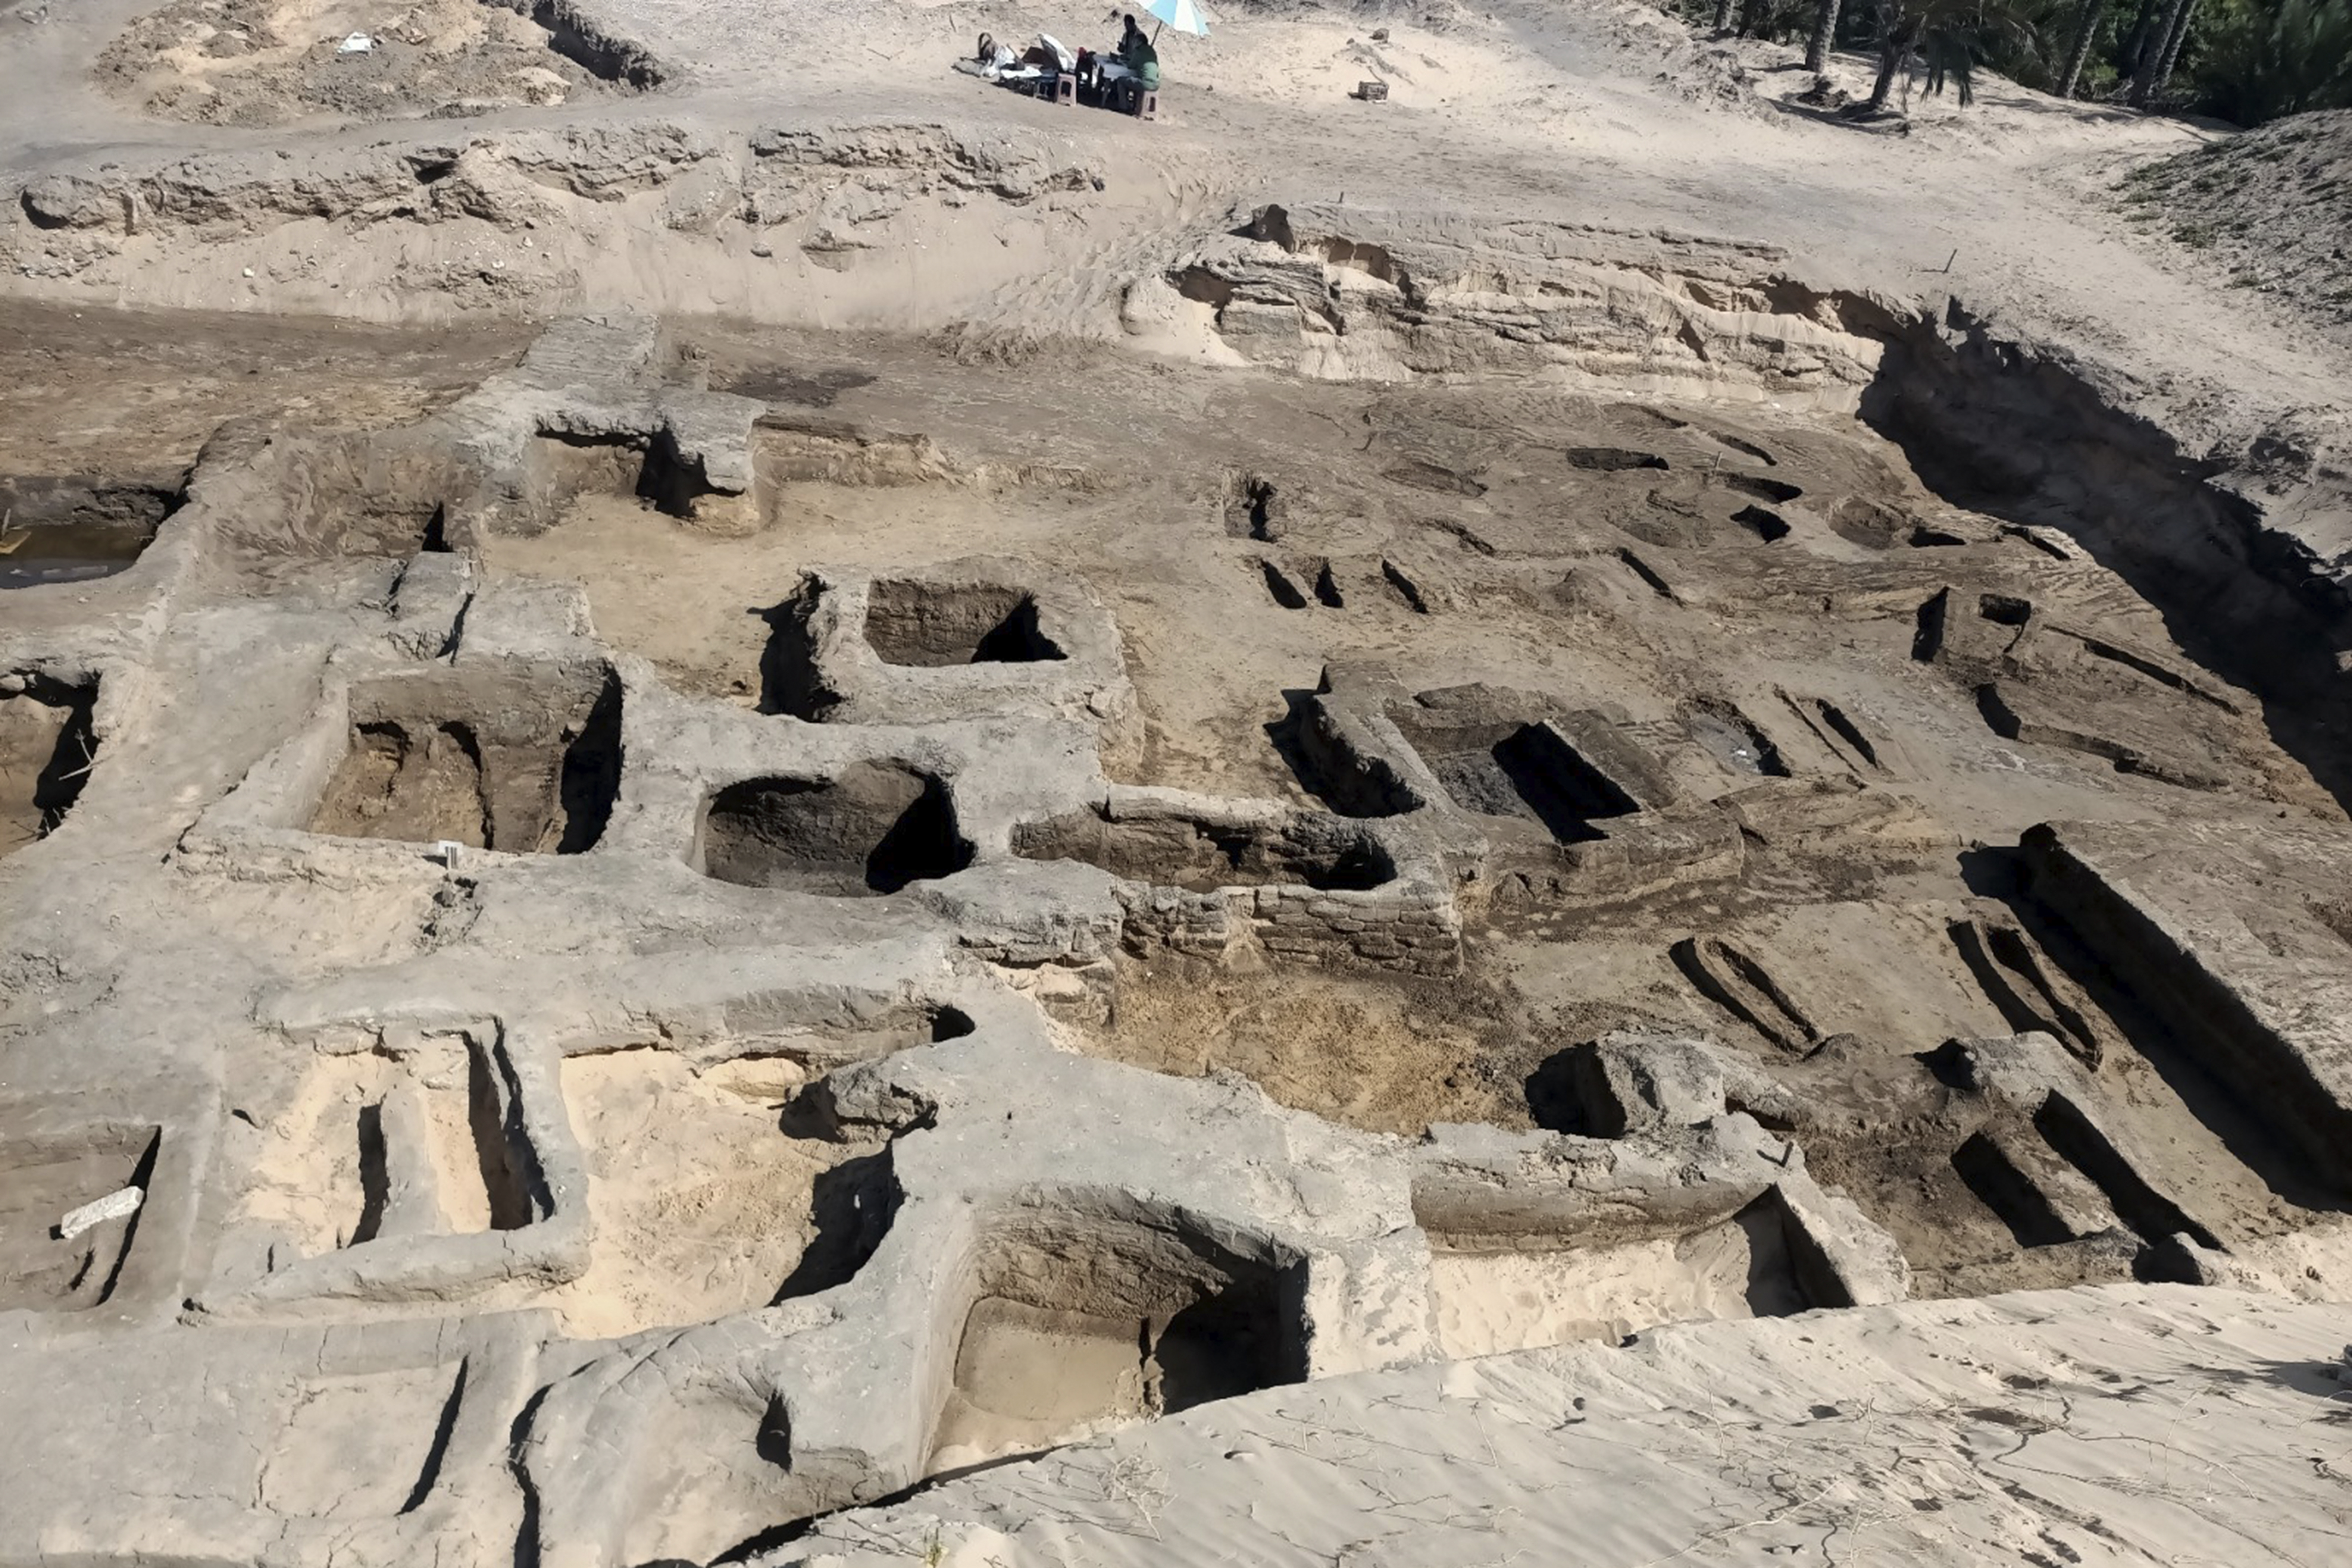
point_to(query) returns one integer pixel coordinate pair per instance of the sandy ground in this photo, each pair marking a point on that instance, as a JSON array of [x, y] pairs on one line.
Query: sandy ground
[[259, 64], [118, 397], [1491, 1303], [2092, 1427], [701, 1199], [1604, 113], [217, 222]]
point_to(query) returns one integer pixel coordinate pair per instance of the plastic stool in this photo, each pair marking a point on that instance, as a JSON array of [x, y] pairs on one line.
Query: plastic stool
[[1148, 106], [1066, 89]]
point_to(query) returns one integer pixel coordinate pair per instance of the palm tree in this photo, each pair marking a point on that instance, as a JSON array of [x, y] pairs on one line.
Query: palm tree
[[2295, 56], [1825, 22], [2155, 60], [2172, 42], [1949, 35], [2086, 29]]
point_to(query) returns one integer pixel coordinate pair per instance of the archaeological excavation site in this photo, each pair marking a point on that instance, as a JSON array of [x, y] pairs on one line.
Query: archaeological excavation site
[[745, 819]]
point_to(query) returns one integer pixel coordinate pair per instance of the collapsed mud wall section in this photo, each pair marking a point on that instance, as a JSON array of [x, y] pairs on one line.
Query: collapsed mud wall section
[[1356, 294], [1212, 877], [776, 224]]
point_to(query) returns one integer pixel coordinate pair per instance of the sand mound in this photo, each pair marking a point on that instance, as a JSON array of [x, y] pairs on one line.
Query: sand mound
[[2275, 204], [1715, 1443], [268, 62]]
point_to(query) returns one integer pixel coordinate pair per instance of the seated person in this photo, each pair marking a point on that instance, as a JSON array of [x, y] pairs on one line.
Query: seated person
[[1142, 63]]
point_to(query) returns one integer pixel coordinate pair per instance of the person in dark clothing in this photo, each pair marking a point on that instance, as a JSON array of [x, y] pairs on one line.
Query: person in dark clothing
[[1142, 62]]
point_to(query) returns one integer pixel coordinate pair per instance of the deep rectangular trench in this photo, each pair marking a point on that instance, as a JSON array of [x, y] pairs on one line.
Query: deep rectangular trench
[[1078, 1318], [564, 467], [930, 624], [1521, 769], [872, 829], [533, 770]]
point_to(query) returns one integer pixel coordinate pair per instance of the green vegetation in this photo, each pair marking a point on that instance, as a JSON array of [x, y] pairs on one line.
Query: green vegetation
[[2249, 61], [2262, 59]]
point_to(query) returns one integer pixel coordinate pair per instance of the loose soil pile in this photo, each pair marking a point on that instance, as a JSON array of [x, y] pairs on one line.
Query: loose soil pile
[[2275, 204], [270, 62]]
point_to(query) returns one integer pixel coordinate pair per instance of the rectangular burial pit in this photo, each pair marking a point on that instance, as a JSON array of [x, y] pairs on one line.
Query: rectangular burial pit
[[1330, 853], [1526, 770], [1733, 739], [930, 624], [374, 1145], [76, 529], [47, 745], [1495, 1294], [563, 467], [871, 829], [1081, 1321], [45, 1177], [703, 1205], [527, 761]]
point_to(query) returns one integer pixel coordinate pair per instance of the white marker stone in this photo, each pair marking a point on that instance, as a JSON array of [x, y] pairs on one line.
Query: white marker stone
[[113, 1206]]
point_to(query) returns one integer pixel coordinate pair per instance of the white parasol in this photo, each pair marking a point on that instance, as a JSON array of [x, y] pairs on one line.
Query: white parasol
[[1184, 16]]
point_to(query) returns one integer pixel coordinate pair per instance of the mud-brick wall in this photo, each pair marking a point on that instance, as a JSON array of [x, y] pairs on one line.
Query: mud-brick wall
[[1396, 927], [1200, 923]]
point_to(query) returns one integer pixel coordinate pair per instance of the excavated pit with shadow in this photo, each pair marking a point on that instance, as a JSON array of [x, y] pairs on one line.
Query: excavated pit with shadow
[[1519, 1292], [527, 764], [42, 1178], [76, 528], [1732, 738], [1524, 770], [930, 624], [1080, 1321], [562, 468], [48, 747], [373, 1147], [872, 829]]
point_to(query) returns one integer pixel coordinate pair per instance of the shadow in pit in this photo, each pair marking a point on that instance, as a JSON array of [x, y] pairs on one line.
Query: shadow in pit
[[1987, 427], [2249, 1136], [650, 468], [1286, 736], [852, 1207], [48, 747], [1555, 1096], [74, 528], [870, 830], [789, 684]]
